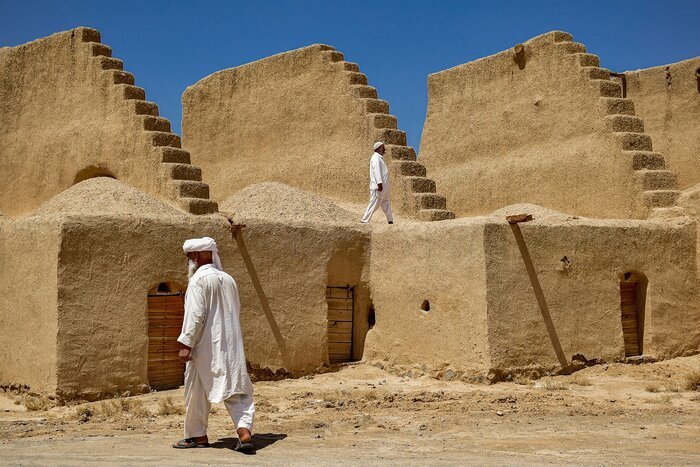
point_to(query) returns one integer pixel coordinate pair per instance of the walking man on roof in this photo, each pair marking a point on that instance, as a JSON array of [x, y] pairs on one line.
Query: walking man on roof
[[379, 187], [212, 345]]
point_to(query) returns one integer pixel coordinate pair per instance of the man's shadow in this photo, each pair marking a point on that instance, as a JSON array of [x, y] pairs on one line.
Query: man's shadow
[[260, 441]]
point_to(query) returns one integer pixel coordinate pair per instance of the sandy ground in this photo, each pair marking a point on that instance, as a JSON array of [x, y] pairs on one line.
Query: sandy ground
[[607, 414]]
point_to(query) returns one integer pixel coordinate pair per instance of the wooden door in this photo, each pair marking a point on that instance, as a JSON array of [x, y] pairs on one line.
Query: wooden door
[[630, 317], [165, 314], [341, 305]]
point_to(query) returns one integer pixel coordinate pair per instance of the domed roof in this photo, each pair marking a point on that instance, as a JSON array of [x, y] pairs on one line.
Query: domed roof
[[280, 202], [104, 195]]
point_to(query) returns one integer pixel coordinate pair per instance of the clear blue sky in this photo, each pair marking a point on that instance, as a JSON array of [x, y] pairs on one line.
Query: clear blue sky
[[169, 45]]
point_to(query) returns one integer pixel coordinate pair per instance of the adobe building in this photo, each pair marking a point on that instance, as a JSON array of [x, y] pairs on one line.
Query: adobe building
[[91, 267]]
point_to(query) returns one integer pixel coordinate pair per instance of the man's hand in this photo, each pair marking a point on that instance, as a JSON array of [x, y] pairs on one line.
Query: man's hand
[[379, 187], [185, 355]]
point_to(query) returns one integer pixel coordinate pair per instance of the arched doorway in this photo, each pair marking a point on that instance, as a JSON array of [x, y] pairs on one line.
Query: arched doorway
[[632, 302], [166, 308]]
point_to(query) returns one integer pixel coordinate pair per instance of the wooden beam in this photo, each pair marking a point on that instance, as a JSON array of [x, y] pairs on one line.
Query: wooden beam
[[518, 218]]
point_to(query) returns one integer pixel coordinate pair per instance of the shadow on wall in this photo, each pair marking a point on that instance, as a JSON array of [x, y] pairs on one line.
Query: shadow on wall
[[539, 294], [264, 303]]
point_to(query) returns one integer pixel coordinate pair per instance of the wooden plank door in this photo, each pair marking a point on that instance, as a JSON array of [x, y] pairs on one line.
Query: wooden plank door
[[165, 314], [630, 322], [341, 306]]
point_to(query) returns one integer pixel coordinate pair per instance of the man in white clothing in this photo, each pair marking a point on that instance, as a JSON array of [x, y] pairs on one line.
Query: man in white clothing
[[212, 345], [379, 187]]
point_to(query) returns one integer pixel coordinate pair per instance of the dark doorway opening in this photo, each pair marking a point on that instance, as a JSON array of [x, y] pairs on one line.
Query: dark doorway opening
[[632, 303]]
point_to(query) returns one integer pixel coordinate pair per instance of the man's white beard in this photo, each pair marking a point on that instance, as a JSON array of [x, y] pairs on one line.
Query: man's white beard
[[191, 268]]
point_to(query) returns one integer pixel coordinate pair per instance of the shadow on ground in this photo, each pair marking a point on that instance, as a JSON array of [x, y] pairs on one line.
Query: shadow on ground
[[260, 441]]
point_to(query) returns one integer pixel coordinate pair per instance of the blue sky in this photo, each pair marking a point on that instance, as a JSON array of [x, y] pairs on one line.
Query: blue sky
[[169, 45]]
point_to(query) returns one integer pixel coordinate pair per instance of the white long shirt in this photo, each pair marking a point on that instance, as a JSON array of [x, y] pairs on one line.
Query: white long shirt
[[212, 329], [379, 173]]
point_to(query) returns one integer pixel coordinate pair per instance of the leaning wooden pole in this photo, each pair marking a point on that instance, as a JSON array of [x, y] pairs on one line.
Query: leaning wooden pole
[[236, 232]]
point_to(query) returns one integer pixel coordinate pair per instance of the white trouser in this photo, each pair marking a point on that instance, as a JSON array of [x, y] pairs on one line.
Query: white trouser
[[374, 202], [240, 407]]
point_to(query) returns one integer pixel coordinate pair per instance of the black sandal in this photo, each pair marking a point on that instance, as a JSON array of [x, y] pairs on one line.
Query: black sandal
[[245, 448], [189, 443]]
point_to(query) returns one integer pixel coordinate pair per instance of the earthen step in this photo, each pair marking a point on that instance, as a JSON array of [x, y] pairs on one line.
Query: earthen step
[[356, 77], [430, 201], [667, 213], [88, 34], [109, 63], [182, 171], [617, 105], [333, 56], [364, 91], [325, 47], [628, 123], [562, 36], [143, 107], [595, 72], [163, 138], [661, 198], [199, 206], [99, 50], [432, 215], [174, 155], [634, 141], [129, 92], [383, 120], [587, 59], [607, 88], [405, 153], [646, 160], [409, 168], [151, 123], [121, 77], [376, 106], [657, 179], [572, 47], [350, 66], [390, 136], [420, 184], [191, 189]]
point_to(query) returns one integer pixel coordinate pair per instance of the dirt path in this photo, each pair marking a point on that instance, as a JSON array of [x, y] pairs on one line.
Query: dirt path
[[609, 414]]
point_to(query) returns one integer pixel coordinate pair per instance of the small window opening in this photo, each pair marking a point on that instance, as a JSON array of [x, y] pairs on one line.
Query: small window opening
[[92, 172], [425, 306], [371, 319]]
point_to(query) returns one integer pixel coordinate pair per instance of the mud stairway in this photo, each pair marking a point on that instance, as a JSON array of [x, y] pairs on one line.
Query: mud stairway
[[659, 185], [182, 180], [420, 196]]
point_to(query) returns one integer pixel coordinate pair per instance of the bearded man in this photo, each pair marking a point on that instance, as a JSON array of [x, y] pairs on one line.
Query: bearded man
[[212, 346]]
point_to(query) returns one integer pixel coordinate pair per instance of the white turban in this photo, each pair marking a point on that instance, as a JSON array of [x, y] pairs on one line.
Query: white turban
[[378, 145], [204, 244]]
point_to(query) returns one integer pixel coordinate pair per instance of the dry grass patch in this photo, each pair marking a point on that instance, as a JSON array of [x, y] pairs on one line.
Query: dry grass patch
[[580, 380], [167, 407], [652, 388], [692, 381], [554, 385], [115, 409], [34, 403]]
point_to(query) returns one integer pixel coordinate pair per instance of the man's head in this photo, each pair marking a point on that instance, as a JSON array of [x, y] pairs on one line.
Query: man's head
[[379, 147], [197, 259], [201, 251]]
